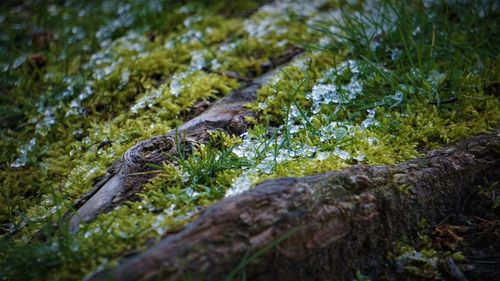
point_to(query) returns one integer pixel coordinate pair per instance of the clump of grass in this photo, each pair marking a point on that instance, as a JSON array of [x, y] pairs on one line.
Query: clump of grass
[[434, 51], [72, 151], [207, 160], [406, 61]]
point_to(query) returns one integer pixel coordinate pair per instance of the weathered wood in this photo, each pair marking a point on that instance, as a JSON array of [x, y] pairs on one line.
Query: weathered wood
[[338, 221], [126, 176]]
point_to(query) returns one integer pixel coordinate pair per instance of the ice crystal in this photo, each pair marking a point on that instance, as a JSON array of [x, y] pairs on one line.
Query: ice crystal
[[19, 61], [147, 100], [176, 83], [328, 91], [396, 54], [24, 151], [370, 120], [240, 184], [197, 60], [271, 13]]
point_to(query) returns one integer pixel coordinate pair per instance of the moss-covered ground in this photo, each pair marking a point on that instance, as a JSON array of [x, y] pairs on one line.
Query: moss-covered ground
[[81, 82]]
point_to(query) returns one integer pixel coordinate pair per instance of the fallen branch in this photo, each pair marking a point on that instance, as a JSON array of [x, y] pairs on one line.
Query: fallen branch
[[339, 221], [129, 174]]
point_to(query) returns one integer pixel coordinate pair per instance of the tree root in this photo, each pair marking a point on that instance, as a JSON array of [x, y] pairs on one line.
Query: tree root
[[332, 223], [127, 176]]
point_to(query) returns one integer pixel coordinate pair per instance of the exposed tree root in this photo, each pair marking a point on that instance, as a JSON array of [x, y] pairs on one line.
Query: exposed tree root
[[334, 223], [127, 176]]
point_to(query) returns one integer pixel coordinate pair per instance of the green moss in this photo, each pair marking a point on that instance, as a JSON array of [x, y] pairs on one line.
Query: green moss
[[293, 83], [135, 101]]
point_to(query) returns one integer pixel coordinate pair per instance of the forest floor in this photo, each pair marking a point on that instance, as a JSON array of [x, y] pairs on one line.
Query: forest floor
[[327, 84], [470, 234]]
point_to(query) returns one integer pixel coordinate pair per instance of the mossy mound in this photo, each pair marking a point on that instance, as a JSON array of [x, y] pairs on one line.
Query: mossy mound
[[85, 82]]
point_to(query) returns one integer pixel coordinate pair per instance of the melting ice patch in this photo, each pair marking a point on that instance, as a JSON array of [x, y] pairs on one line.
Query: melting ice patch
[[197, 63], [75, 106], [104, 62], [272, 13], [328, 91], [197, 60], [435, 78], [263, 27], [241, 183], [148, 99], [396, 54], [19, 61], [176, 83], [301, 8], [325, 92], [370, 120]]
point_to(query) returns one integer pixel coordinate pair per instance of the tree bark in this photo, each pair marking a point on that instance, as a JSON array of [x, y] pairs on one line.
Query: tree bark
[[333, 223], [125, 177]]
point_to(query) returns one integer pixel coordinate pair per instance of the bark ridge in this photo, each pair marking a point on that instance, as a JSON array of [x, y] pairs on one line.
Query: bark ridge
[[340, 221]]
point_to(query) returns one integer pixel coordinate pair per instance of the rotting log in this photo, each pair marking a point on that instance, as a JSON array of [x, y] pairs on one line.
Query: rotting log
[[127, 176], [339, 221]]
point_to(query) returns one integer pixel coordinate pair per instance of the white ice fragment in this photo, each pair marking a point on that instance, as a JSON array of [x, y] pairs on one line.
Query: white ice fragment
[[261, 28], [397, 98], [226, 47], [360, 157], [301, 8], [323, 155], [370, 120], [189, 21], [282, 43], [367, 123], [185, 176], [342, 154], [294, 129], [279, 10], [124, 78], [215, 64], [248, 147], [19, 61], [191, 36], [176, 83], [396, 54], [197, 60], [374, 45], [372, 141], [416, 31], [148, 99], [262, 105], [185, 9], [54, 209], [435, 77], [91, 172], [301, 63], [158, 224], [169, 44], [170, 210], [325, 41], [24, 150], [240, 184]]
